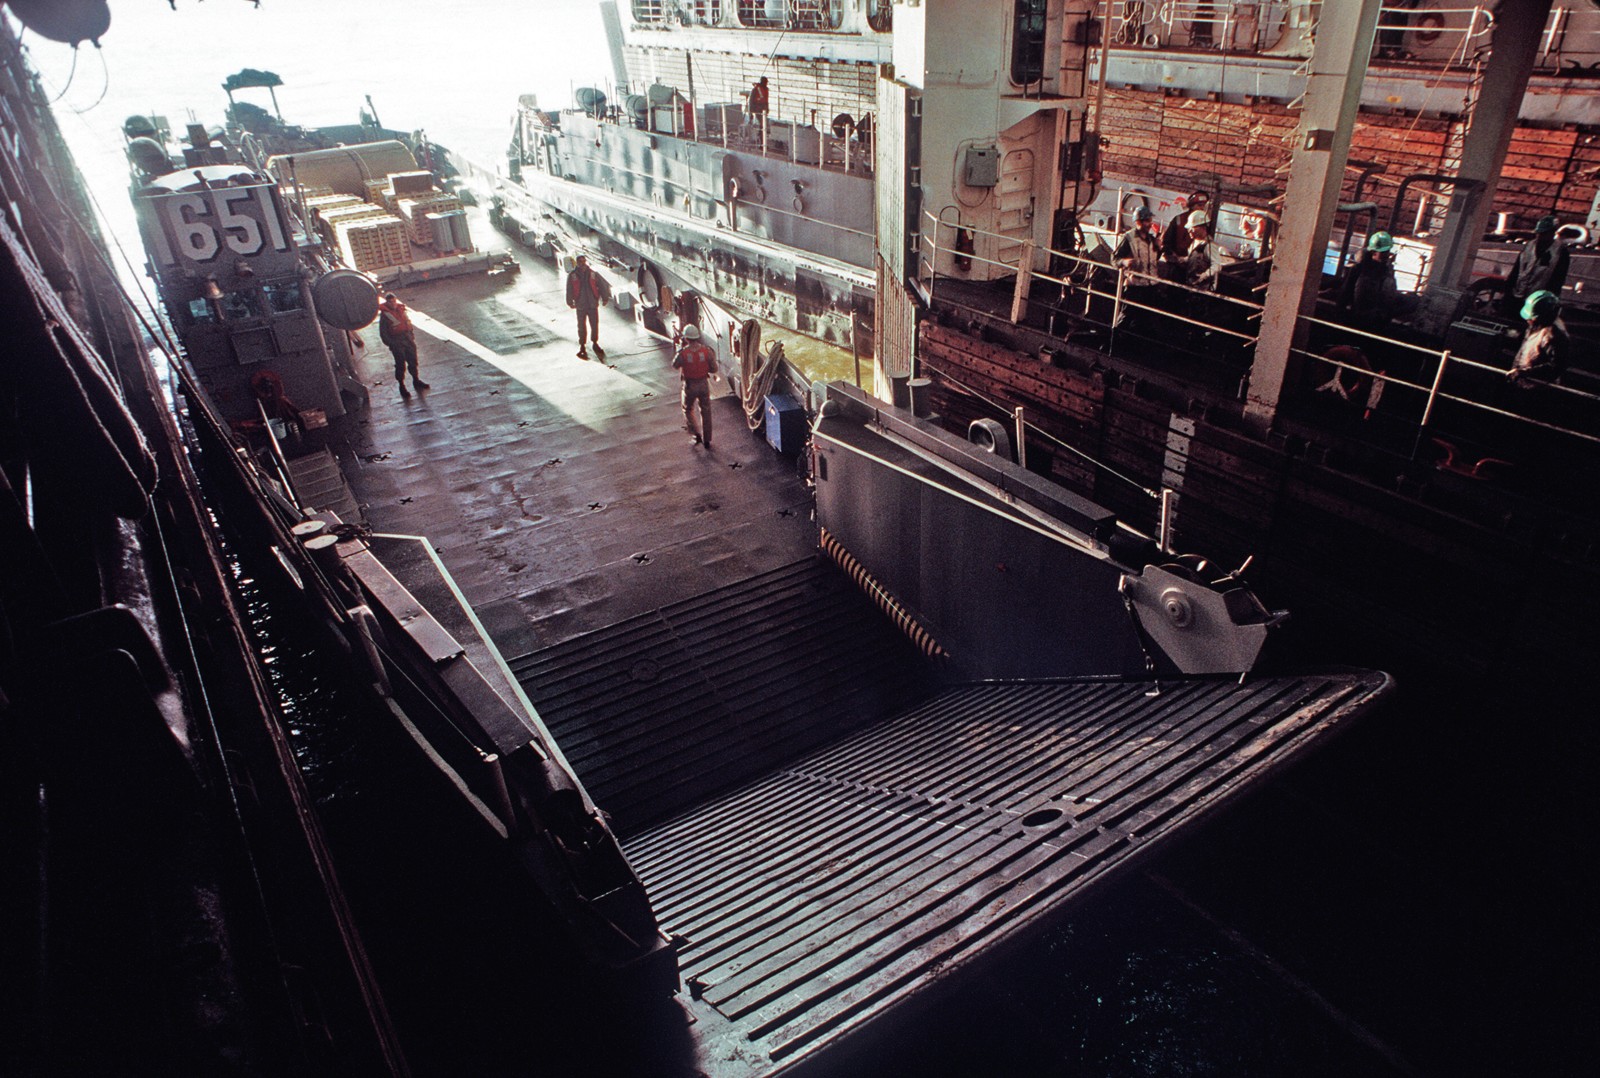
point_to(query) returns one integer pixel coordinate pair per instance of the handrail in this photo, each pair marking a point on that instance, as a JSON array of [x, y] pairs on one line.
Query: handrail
[[929, 249], [1141, 24], [1118, 298], [1009, 413], [1434, 393]]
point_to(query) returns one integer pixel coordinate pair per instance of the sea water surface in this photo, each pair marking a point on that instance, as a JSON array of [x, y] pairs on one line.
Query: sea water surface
[[453, 70]]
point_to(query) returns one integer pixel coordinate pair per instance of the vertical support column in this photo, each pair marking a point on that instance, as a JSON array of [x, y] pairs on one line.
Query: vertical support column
[[1019, 293], [1333, 93], [1518, 30]]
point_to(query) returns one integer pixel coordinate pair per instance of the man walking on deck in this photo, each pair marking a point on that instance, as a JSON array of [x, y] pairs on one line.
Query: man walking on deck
[[587, 292], [696, 362], [400, 337]]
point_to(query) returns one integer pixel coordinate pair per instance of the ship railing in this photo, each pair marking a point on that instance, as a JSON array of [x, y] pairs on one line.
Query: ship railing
[[1240, 27], [835, 153], [1151, 517], [1428, 387], [1205, 24], [1087, 284]]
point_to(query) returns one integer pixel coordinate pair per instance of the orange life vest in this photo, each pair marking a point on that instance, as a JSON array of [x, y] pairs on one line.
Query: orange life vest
[[696, 361]]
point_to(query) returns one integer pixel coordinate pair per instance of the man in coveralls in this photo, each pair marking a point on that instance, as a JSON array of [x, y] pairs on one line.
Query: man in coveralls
[[696, 362], [587, 292], [1139, 251], [400, 337]]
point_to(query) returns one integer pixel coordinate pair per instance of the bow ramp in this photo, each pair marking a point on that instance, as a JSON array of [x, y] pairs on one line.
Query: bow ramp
[[824, 834], [819, 897]]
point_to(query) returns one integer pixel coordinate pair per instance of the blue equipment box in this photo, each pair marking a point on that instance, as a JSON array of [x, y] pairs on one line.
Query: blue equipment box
[[786, 423]]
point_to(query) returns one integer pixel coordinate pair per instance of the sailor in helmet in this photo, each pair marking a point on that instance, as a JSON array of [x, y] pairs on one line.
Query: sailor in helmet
[[1541, 266], [1370, 293], [1175, 243], [1138, 252], [696, 363], [1543, 355], [1202, 266]]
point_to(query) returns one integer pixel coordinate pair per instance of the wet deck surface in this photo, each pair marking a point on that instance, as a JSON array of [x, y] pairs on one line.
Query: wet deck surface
[[563, 494], [664, 608]]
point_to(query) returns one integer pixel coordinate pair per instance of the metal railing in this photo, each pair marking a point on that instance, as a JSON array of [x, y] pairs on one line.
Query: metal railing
[[1080, 280], [1432, 394], [1442, 33], [1430, 389]]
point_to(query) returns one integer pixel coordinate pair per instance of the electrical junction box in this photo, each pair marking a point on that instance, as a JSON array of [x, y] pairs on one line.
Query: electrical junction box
[[981, 166], [786, 423]]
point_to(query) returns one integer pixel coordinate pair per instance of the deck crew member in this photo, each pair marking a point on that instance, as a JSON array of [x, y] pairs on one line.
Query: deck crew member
[[275, 404], [760, 100], [1138, 251], [587, 292], [1370, 293], [400, 337], [1541, 266], [1543, 355], [696, 362], [1203, 263], [1175, 242]]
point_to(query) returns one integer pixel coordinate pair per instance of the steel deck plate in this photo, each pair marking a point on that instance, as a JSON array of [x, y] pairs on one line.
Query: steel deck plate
[[664, 710], [821, 895]]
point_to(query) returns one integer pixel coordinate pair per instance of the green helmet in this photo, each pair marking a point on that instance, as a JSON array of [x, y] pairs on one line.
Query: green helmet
[[1380, 242], [1541, 304]]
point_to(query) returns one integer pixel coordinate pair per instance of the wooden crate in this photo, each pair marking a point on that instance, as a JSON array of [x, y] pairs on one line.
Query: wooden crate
[[374, 242], [414, 211], [332, 219], [410, 184]]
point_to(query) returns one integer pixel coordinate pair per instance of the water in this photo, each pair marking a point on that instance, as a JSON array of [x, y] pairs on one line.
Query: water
[[453, 70]]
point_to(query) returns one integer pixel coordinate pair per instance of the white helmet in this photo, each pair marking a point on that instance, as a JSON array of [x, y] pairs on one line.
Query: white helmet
[[1198, 219], [691, 333]]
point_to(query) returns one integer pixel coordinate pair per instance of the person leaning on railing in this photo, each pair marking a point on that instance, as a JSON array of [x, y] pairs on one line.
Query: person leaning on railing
[[1139, 252], [1370, 294], [1202, 266], [1543, 355]]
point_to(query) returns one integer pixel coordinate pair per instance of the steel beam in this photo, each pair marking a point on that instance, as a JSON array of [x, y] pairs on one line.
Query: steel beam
[[1333, 94], [1518, 29]]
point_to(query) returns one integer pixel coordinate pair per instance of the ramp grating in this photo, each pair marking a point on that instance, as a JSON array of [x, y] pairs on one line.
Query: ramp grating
[[662, 711], [824, 893]]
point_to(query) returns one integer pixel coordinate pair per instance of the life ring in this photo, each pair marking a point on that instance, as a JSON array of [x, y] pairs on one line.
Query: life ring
[[1350, 385], [1253, 225], [1429, 28]]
